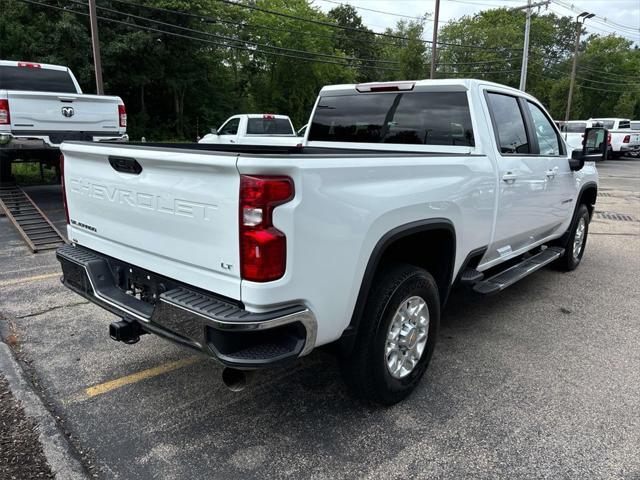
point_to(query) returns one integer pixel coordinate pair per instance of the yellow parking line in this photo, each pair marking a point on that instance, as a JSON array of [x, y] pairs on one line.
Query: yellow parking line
[[139, 376], [17, 281]]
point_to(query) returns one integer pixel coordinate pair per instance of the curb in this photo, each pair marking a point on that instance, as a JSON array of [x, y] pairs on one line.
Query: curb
[[54, 444]]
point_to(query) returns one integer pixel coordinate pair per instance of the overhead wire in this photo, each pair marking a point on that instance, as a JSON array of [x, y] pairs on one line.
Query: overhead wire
[[320, 22], [224, 37], [211, 42]]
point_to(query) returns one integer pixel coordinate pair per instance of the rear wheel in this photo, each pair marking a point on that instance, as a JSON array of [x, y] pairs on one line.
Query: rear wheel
[[396, 336], [574, 250]]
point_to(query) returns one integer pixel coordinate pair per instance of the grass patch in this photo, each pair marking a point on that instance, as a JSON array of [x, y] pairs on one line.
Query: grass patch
[[29, 174]]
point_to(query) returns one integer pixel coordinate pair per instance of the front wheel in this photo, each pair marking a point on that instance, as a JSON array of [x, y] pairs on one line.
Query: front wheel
[[396, 336], [574, 249]]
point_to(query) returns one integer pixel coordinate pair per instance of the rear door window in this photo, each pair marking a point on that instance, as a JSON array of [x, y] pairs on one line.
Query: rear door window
[[34, 79], [545, 133], [269, 126], [509, 123], [428, 118]]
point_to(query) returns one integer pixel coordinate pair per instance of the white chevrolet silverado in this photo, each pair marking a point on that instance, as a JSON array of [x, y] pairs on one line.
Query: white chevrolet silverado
[[254, 129], [257, 255], [42, 105]]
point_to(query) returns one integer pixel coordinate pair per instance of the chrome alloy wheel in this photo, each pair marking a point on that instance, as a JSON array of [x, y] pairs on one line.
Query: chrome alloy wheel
[[407, 336], [578, 238]]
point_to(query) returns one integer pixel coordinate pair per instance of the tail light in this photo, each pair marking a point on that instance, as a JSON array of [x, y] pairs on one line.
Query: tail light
[[64, 192], [122, 115], [29, 65], [5, 116], [609, 139], [627, 139], [263, 248]]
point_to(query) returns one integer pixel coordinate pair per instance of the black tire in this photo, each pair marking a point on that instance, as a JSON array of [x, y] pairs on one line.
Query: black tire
[[569, 261], [365, 368]]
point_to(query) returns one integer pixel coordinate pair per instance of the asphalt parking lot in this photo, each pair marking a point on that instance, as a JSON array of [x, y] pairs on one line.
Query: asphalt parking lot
[[540, 381]]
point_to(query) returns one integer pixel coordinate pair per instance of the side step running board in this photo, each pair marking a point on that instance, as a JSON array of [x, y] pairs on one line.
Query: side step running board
[[511, 275]]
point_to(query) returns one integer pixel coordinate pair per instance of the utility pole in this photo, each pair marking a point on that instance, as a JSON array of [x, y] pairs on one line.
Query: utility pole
[[579, 24], [95, 45], [525, 50], [434, 44]]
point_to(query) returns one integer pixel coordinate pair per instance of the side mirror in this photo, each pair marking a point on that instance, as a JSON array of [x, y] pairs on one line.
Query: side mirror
[[214, 131], [594, 148]]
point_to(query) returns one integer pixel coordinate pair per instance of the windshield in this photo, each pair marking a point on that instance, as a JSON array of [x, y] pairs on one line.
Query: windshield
[[432, 118], [36, 79]]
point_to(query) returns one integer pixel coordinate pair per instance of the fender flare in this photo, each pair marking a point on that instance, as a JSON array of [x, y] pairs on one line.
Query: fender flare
[[420, 226], [562, 241]]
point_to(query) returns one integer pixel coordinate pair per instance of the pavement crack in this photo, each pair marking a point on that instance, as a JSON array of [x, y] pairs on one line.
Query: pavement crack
[[50, 309]]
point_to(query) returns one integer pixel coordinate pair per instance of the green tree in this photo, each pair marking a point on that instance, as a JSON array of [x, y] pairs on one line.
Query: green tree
[[359, 44]]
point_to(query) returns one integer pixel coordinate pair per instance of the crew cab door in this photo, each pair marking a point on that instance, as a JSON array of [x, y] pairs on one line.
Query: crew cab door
[[523, 214], [228, 133], [561, 187]]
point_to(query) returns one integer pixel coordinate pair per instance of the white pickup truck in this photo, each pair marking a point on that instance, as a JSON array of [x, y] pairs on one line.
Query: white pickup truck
[[257, 255], [573, 133], [254, 129], [42, 105], [622, 139]]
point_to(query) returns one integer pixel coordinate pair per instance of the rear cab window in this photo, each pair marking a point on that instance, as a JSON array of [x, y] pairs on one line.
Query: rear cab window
[[269, 126], [36, 79], [608, 124], [574, 127], [417, 118]]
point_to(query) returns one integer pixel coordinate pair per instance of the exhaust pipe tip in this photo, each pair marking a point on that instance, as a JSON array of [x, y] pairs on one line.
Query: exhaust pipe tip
[[234, 379]]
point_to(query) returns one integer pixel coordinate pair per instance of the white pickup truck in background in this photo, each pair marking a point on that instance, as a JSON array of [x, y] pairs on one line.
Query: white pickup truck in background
[[255, 256], [254, 129], [622, 139], [42, 106], [573, 133]]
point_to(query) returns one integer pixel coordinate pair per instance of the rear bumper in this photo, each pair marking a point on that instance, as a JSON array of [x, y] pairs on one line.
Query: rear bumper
[[630, 148], [52, 140], [215, 326]]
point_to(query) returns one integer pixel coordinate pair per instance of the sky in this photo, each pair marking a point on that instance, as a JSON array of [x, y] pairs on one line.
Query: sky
[[612, 16]]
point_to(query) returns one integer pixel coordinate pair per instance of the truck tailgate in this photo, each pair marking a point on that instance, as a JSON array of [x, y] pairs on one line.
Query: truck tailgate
[[177, 217], [45, 111]]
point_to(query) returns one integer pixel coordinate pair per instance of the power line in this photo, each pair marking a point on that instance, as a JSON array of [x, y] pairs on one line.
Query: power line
[[372, 10], [599, 19], [557, 70], [482, 62], [606, 74], [223, 37], [333, 25], [250, 26], [490, 72], [211, 42]]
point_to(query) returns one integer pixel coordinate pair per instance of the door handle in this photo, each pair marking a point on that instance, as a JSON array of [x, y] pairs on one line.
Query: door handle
[[551, 174], [509, 177]]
